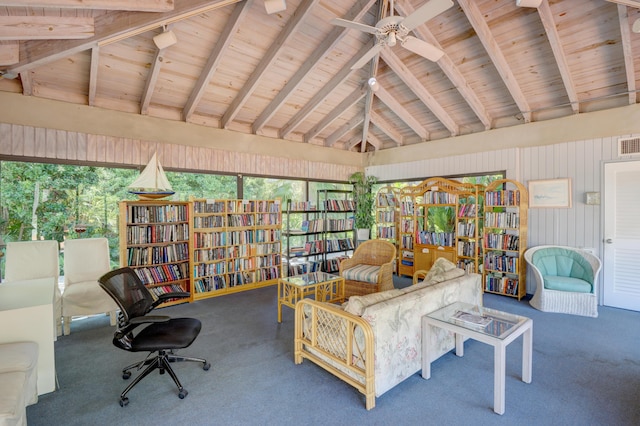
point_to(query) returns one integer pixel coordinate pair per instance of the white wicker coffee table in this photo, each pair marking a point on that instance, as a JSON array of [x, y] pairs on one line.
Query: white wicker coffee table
[[489, 326]]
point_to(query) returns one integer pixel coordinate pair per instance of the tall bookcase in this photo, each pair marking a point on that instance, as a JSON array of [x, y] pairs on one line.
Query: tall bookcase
[[446, 223], [387, 212], [154, 241], [236, 245], [317, 237], [406, 231], [505, 238]]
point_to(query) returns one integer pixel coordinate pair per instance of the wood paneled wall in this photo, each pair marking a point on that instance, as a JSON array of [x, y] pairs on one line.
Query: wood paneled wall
[[18, 142]]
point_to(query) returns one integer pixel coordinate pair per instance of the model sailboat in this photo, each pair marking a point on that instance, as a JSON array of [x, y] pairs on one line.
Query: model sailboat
[[152, 182]]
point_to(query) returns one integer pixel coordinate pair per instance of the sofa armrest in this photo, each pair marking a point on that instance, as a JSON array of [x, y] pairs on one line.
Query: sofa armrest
[[339, 342], [419, 274]]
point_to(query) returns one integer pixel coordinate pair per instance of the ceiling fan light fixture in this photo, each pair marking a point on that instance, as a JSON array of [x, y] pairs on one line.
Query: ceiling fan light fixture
[[528, 3], [165, 39], [274, 6], [391, 41], [373, 84], [636, 26]]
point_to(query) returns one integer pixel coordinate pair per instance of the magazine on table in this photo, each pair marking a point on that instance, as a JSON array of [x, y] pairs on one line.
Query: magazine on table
[[475, 319]]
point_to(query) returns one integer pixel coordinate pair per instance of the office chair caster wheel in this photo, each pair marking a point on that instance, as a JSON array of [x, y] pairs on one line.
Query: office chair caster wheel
[[126, 374], [183, 393], [124, 402], [206, 366]]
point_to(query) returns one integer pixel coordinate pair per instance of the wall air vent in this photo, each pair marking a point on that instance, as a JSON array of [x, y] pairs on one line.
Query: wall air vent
[[628, 147]]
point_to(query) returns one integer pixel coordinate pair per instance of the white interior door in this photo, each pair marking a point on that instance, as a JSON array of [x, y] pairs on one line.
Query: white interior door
[[621, 266]]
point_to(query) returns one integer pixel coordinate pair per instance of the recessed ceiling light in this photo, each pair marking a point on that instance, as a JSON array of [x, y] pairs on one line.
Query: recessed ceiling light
[[528, 3]]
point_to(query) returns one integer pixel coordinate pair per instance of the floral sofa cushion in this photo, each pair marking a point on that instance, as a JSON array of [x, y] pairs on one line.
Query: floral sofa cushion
[[357, 304], [443, 270]]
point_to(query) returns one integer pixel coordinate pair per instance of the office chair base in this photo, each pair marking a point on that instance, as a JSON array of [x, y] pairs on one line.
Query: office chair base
[[161, 362]]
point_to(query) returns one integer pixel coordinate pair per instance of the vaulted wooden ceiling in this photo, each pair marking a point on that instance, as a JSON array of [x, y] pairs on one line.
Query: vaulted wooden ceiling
[[288, 74]]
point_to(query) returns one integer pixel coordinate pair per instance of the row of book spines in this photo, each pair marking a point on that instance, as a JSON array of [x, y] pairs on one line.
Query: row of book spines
[[467, 248], [387, 200], [246, 250], [502, 241], [165, 289], [386, 232], [339, 205], [304, 268], [386, 216], [445, 239], [162, 273], [157, 214], [502, 263], [149, 234], [502, 198], [302, 205], [407, 242], [322, 246], [437, 197], [321, 225], [499, 284], [467, 265], [502, 219], [220, 282], [466, 229], [467, 210], [231, 238], [236, 206], [138, 256], [406, 208], [236, 265]]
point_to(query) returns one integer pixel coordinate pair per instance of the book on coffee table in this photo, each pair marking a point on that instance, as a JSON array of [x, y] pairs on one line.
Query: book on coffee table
[[472, 318]]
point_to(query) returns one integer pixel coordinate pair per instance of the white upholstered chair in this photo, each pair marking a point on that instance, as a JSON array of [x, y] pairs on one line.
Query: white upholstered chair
[[29, 260], [566, 280], [85, 260]]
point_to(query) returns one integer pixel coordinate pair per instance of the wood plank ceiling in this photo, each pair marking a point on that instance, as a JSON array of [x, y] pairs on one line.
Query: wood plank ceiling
[[288, 74]]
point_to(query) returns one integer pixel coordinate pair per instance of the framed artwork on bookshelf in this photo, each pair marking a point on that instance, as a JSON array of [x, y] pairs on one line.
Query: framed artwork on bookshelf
[[550, 193]]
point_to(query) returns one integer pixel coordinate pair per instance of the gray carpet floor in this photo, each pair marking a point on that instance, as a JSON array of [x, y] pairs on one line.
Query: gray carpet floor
[[586, 371]]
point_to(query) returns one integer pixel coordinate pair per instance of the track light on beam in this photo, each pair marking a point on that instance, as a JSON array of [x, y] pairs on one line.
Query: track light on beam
[[273, 6], [373, 84], [165, 39]]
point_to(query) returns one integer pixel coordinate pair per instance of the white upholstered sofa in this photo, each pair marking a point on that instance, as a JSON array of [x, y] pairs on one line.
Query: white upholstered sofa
[[373, 342]]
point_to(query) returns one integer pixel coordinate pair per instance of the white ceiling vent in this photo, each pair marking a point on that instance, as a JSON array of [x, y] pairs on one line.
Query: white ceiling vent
[[628, 146]]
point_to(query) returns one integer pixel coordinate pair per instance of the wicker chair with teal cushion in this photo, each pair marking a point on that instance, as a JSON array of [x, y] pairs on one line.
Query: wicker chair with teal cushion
[[566, 280], [370, 270]]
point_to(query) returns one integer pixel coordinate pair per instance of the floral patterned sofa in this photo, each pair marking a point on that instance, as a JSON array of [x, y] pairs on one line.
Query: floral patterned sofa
[[373, 342]]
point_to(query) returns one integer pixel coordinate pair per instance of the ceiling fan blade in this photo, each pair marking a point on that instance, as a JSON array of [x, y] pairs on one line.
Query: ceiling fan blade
[[422, 48], [354, 25], [367, 56], [425, 12]]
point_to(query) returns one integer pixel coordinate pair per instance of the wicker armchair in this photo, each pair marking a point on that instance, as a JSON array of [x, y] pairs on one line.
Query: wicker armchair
[[370, 270], [566, 280]]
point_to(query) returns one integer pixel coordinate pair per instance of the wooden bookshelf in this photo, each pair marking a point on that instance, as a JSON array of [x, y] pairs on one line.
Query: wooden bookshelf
[[387, 215], [236, 245], [406, 231], [505, 238], [154, 241]]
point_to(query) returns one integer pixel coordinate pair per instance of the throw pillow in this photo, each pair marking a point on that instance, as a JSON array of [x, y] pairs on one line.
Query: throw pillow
[[357, 304], [442, 270]]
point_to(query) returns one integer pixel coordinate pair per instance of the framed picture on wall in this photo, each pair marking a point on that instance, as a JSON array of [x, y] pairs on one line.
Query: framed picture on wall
[[550, 193]]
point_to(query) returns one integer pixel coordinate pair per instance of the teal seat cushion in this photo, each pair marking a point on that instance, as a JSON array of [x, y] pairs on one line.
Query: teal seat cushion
[[364, 273], [576, 285]]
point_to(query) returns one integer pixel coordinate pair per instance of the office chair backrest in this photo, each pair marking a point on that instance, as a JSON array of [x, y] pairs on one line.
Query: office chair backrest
[[124, 286]]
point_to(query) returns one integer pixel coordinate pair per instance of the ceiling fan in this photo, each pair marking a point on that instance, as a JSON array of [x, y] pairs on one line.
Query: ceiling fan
[[390, 30]]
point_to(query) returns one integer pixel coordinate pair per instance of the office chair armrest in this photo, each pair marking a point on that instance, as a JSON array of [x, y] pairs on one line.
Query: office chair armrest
[[162, 298], [149, 318]]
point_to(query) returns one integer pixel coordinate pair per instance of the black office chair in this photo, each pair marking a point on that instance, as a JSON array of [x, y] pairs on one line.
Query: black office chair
[[162, 336]]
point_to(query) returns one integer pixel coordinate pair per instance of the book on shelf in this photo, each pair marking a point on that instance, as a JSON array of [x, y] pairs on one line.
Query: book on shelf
[[474, 319]]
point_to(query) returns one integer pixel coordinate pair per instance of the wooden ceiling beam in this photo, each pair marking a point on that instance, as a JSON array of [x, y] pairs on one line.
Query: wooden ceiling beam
[[404, 115], [473, 14], [131, 5], [556, 46], [93, 75], [150, 84], [110, 28], [322, 94], [27, 83], [45, 27], [336, 112], [449, 68], [329, 43], [387, 128], [355, 140], [343, 130], [419, 90], [267, 60], [9, 52], [374, 141], [216, 56], [623, 15]]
